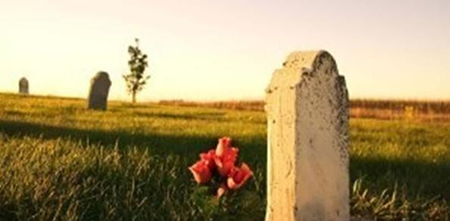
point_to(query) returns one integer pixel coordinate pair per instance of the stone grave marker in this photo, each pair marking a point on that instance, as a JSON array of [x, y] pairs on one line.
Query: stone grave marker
[[307, 117], [23, 86], [98, 92]]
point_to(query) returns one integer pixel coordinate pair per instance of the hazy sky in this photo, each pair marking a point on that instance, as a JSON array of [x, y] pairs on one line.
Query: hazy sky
[[203, 50]]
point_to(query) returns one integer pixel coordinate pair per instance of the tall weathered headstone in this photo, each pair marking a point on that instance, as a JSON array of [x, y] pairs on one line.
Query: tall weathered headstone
[[307, 117], [23, 86], [98, 92]]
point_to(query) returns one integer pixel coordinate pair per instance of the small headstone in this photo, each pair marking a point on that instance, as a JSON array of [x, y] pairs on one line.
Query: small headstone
[[23, 86], [98, 92], [307, 113]]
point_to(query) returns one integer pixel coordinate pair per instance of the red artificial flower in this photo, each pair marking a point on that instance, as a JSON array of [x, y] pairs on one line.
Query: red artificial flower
[[223, 145], [209, 159], [201, 171], [238, 176], [221, 160], [225, 156]]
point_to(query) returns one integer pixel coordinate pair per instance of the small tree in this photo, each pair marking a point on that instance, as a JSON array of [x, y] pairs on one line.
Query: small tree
[[136, 79]]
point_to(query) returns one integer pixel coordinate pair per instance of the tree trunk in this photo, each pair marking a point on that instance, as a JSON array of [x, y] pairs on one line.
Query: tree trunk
[[133, 96]]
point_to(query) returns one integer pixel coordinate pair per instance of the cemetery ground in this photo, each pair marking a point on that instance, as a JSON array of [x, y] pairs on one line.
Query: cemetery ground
[[59, 161]]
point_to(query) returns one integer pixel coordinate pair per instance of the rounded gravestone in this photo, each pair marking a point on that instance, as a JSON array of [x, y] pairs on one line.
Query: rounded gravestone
[[23, 86], [98, 92], [307, 117]]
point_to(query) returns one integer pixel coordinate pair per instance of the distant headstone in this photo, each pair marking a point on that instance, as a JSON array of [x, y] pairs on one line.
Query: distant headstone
[[307, 117], [98, 92], [23, 86]]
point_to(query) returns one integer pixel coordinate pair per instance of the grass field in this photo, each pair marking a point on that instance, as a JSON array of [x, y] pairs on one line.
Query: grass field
[[59, 161]]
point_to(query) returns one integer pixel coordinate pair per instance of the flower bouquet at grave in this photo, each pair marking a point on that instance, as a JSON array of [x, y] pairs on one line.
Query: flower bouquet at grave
[[220, 177]]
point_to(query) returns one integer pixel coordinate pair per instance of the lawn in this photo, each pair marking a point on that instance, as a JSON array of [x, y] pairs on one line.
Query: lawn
[[59, 161]]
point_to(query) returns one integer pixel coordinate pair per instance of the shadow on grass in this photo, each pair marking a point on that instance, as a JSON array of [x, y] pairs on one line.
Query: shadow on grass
[[156, 143], [160, 144], [426, 179]]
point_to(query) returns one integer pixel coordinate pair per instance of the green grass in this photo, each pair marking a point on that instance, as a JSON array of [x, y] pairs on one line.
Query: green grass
[[59, 161]]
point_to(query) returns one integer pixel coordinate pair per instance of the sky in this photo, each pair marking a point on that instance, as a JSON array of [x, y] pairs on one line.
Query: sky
[[224, 50]]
